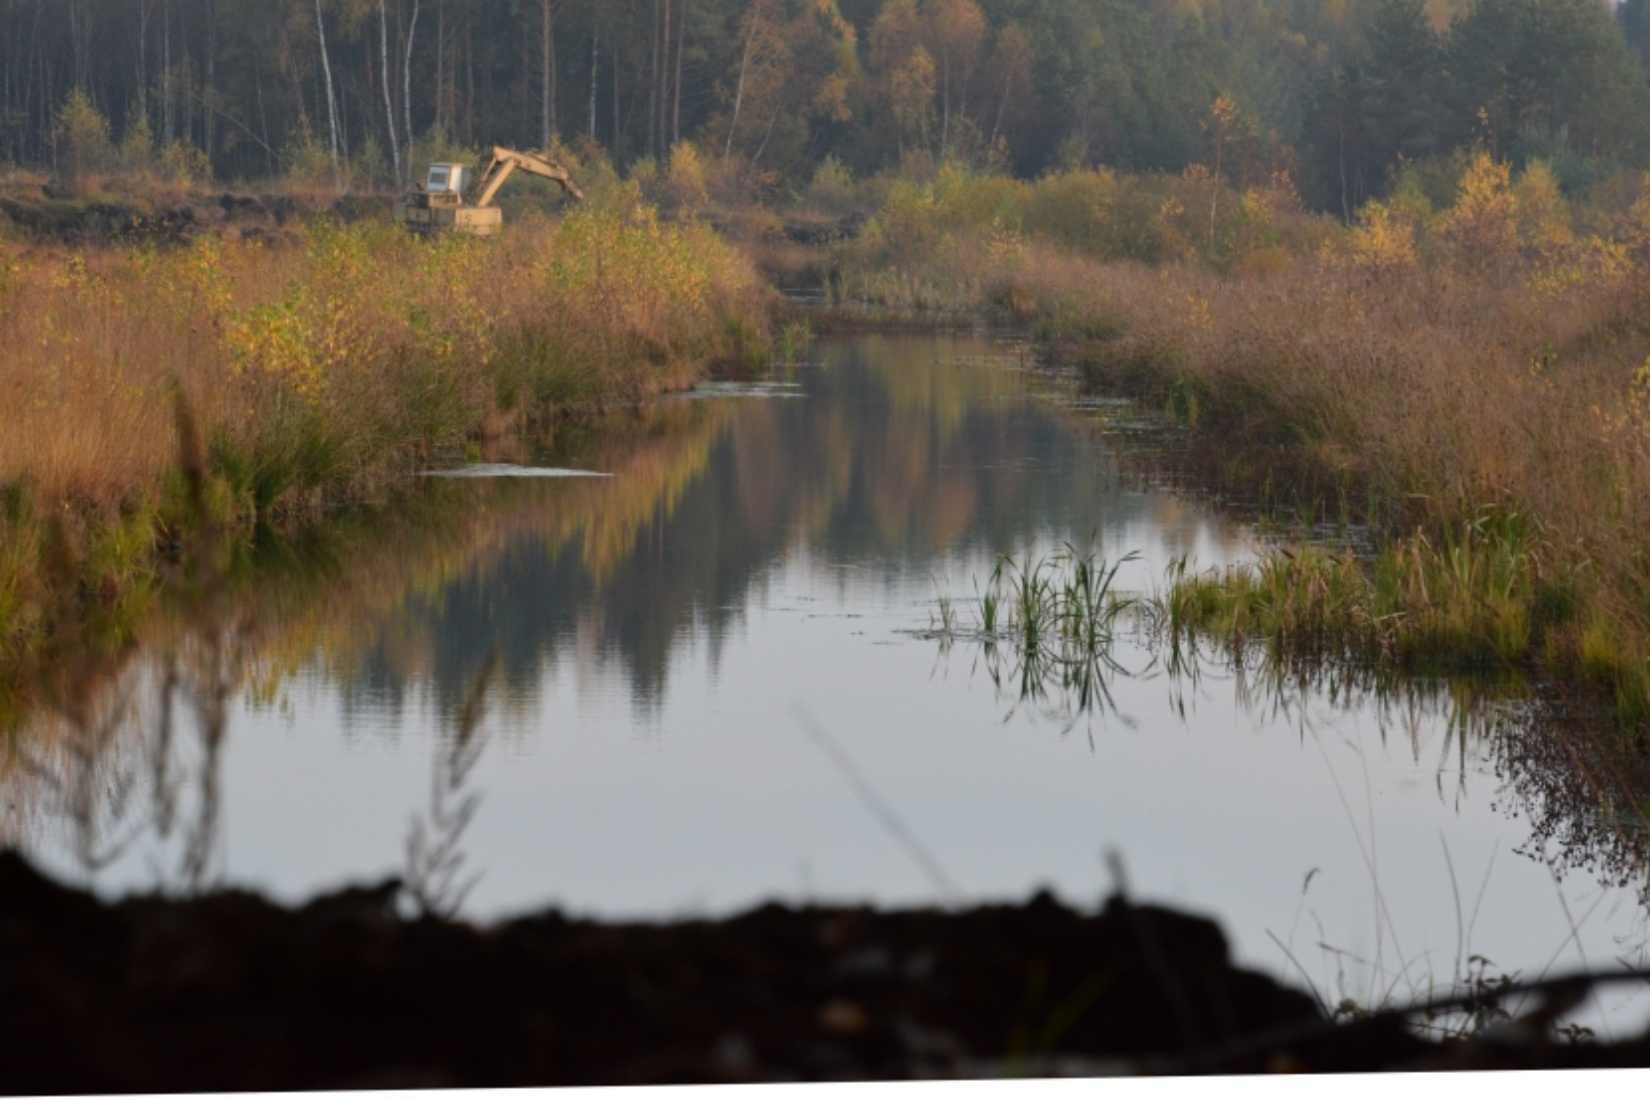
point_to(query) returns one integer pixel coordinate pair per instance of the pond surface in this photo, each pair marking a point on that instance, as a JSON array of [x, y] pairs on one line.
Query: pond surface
[[704, 683]]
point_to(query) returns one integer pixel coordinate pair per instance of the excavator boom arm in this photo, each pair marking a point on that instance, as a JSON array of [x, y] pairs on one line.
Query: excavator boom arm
[[506, 161]]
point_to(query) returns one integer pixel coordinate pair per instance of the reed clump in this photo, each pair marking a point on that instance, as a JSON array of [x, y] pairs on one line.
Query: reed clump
[[962, 239], [1047, 625], [319, 370], [1487, 595]]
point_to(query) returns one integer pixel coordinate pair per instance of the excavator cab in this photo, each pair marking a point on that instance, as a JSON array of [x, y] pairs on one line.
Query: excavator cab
[[448, 179]]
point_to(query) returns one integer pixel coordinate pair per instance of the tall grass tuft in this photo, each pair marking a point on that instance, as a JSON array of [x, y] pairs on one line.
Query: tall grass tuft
[[1485, 596], [1047, 625]]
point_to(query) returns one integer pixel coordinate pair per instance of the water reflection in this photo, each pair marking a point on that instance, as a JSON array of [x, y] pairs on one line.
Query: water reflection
[[647, 640], [875, 473], [888, 471], [124, 756], [437, 880], [1586, 798]]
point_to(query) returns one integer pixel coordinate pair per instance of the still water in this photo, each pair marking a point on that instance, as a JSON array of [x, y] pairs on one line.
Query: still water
[[704, 682]]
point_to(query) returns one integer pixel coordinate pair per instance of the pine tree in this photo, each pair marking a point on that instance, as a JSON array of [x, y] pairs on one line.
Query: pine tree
[[1397, 88], [1559, 67]]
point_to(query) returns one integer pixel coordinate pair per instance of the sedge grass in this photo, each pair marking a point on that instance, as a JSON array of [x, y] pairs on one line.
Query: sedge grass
[[1494, 597], [1046, 625], [1479, 599], [1067, 598]]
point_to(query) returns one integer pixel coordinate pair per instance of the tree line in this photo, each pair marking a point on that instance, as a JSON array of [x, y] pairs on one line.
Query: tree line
[[1335, 94]]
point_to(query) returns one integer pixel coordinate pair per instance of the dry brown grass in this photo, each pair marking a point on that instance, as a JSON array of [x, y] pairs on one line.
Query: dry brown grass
[[387, 347], [1431, 386], [316, 371]]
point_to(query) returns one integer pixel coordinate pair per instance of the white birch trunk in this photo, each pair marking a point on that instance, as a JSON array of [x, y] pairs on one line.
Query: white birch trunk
[[547, 63], [389, 102], [406, 80], [739, 92], [595, 70], [332, 102]]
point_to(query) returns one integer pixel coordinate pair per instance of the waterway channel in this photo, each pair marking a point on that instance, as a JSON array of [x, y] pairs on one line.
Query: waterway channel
[[706, 683]]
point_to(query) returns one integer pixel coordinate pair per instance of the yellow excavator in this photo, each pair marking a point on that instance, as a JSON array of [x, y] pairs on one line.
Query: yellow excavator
[[455, 198]]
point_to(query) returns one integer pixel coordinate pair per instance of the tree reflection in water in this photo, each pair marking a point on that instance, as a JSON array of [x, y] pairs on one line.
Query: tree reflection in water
[[435, 856], [1585, 794], [104, 754], [1583, 786]]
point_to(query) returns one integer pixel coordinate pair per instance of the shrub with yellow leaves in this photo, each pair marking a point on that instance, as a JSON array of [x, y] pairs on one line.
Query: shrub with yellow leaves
[[1382, 240], [1480, 230]]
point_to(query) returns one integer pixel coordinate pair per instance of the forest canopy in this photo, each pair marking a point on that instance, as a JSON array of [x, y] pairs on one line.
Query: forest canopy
[[1335, 94]]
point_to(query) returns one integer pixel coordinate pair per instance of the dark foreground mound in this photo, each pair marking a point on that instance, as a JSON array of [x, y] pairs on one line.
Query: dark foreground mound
[[230, 993]]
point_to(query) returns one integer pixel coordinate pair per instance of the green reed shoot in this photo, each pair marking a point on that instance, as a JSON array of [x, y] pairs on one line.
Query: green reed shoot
[[1067, 599], [1047, 625], [794, 339], [1481, 598]]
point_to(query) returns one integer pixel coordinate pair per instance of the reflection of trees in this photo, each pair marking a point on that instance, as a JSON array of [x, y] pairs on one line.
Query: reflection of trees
[[891, 457], [124, 750], [887, 457], [900, 453], [435, 882], [929, 450], [122, 740], [1585, 793], [531, 588]]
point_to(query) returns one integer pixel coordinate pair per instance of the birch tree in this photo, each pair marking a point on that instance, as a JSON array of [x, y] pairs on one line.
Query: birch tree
[[384, 72], [332, 99]]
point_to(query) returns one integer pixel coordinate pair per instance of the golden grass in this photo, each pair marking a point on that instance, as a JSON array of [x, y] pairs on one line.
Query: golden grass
[[358, 341], [1416, 401]]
